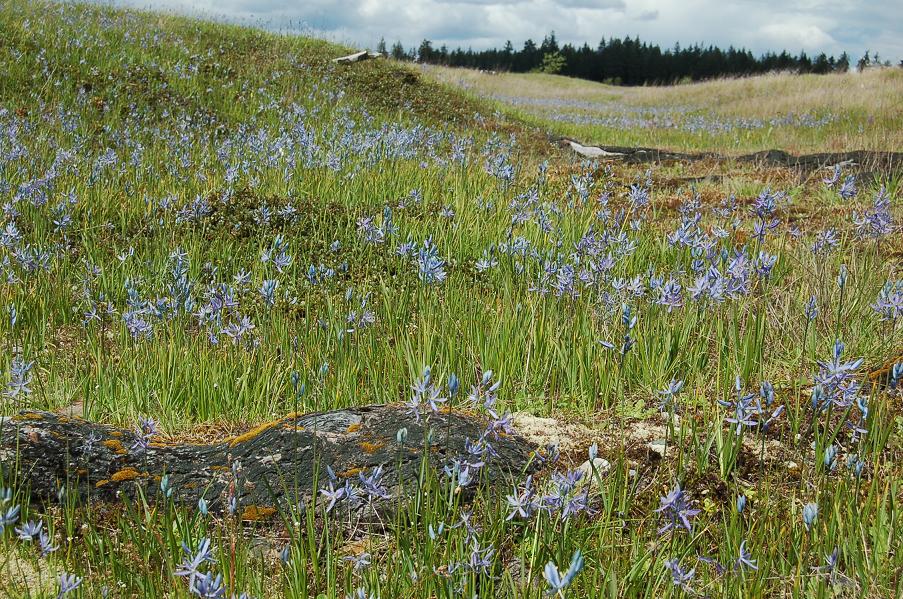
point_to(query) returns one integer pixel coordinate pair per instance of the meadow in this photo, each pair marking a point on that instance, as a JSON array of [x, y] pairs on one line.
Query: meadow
[[797, 113], [206, 227]]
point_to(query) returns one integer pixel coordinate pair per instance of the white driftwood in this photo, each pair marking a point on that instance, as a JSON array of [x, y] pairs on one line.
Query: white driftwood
[[357, 56], [590, 151]]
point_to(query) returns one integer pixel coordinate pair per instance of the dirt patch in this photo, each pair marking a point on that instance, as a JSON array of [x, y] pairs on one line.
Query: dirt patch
[[641, 441], [569, 437], [21, 577]]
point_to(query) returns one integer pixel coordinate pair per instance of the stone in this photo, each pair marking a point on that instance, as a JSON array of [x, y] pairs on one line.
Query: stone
[[599, 467], [282, 462]]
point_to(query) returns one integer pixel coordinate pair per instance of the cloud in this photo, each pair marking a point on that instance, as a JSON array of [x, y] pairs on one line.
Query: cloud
[[797, 35], [593, 4], [831, 26]]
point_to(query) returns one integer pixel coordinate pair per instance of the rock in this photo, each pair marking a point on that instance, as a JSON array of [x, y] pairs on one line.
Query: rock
[[861, 161], [658, 446], [667, 416], [281, 462], [599, 467]]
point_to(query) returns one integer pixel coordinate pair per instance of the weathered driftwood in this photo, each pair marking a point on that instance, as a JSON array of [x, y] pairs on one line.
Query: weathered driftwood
[[279, 460], [589, 151], [358, 56]]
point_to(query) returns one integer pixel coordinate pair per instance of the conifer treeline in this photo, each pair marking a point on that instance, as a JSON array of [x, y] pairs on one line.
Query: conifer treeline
[[627, 61]]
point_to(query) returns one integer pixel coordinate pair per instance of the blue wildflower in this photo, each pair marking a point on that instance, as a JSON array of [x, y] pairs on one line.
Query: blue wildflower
[[558, 581], [676, 508], [745, 559], [9, 517], [810, 513], [30, 530], [680, 577], [194, 559], [67, 584]]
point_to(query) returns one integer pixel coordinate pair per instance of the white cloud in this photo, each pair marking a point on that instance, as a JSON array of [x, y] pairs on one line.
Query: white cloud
[[831, 26], [795, 35]]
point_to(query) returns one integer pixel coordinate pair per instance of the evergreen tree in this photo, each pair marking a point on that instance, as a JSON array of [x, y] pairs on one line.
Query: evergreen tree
[[843, 63], [553, 63], [425, 52], [398, 51], [627, 61]]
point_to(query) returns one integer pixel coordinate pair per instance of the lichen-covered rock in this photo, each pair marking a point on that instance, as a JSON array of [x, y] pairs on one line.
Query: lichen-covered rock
[[281, 462]]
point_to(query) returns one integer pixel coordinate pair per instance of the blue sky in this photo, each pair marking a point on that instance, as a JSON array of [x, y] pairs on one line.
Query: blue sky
[[811, 25]]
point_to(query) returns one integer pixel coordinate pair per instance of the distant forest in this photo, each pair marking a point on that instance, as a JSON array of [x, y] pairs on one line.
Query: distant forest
[[625, 61]]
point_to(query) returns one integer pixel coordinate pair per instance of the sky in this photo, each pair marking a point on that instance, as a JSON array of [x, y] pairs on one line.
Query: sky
[[815, 26]]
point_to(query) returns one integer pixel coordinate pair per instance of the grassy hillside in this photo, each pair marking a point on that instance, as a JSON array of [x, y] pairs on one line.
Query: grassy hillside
[[808, 113], [212, 226]]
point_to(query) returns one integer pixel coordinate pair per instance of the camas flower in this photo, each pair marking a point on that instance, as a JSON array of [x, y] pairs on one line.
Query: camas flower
[[67, 584], [521, 502], [669, 394], [194, 559], [431, 268], [9, 517], [810, 513], [30, 530], [19, 379], [559, 581], [745, 559], [675, 507], [680, 577], [46, 544], [208, 586], [848, 189]]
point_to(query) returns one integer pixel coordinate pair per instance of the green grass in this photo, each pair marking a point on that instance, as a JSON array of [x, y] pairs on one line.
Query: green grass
[[246, 124]]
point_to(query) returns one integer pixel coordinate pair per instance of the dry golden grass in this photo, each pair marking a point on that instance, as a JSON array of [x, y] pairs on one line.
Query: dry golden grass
[[869, 105]]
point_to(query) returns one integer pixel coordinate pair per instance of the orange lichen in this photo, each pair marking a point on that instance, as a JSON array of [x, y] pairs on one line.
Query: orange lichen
[[124, 475], [116, 446], [349, 473], [371, 448], [101, 483], [353, 428], [252, 433], [27, 416], [257, 512], [116, 434], [220, 468], [161, 444]]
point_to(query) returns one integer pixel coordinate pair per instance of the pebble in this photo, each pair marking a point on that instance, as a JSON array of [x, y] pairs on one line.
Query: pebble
[[601, 466], [657, 446]]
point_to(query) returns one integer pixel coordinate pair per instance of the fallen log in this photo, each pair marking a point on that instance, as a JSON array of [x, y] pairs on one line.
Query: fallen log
[[357, 57], [589, 151], [281, 462]]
